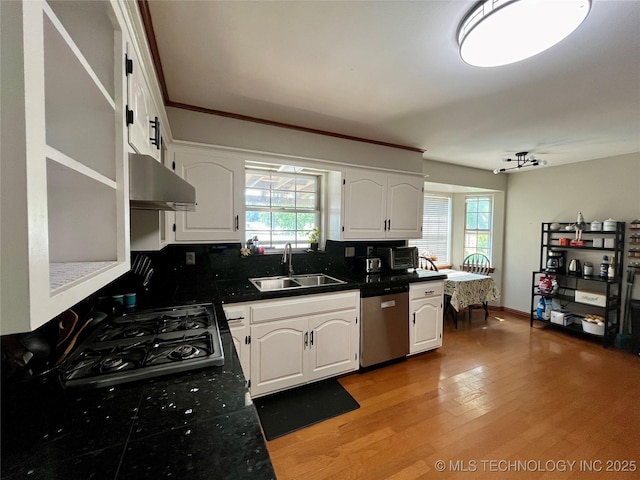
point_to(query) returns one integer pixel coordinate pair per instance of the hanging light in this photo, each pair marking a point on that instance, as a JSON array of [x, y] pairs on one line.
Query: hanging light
[[499, 32], [521, 161]]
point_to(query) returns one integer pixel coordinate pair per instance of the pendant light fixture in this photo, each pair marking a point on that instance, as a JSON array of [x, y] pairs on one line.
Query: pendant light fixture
[[499, 32], [521, 161]]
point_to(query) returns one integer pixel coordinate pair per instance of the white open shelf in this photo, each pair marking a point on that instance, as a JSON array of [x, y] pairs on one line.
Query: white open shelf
[[67, 274], [79, 111]]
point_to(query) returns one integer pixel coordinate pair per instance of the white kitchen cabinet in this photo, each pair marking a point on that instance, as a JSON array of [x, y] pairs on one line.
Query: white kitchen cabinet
[[238, 320], [333, 342], [278, 355], [143, 124], [299, 340], [218, 178], [65, 215], [379, 205], [425, 316]]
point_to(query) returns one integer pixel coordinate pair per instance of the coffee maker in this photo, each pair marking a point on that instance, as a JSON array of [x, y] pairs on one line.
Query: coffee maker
[[556, 261]]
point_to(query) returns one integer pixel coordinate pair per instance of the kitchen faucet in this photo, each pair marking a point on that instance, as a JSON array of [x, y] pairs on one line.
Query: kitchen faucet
[[287, 258]]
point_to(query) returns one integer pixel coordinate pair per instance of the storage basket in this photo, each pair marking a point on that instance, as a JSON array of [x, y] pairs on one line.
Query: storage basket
[[593, 328]]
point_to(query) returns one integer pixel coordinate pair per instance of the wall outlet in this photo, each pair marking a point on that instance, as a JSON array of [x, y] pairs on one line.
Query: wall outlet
[[190, 258], [349, 252], [370, 250]]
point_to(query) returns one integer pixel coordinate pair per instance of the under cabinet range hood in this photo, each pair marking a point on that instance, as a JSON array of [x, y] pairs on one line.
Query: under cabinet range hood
[[152, 186]]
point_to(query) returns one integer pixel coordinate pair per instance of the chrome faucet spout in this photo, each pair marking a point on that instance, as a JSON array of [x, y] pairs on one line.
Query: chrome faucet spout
[[287, 258]]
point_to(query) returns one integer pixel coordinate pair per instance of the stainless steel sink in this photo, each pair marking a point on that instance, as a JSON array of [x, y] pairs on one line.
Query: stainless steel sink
[[316, 280], [265, 284]]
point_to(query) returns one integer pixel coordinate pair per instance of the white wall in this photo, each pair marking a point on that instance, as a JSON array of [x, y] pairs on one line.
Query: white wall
[[216, 130], [449, 174], [600, 189]]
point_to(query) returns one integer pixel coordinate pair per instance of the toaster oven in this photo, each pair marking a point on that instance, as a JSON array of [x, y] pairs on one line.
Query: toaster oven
[[399, 258]]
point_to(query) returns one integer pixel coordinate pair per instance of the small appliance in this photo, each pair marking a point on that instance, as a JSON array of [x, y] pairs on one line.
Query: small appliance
[[556, 261], [574, 266], [372, 265], [399, 258]]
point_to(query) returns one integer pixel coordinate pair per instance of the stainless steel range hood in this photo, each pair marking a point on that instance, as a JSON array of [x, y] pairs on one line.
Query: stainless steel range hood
[[152, 186]]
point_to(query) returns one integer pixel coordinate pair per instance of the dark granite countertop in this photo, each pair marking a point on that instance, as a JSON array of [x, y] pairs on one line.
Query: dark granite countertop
[[193, 425], [242, 290]]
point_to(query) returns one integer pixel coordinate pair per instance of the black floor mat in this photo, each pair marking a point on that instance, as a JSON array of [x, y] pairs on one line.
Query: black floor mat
[[286, 412]]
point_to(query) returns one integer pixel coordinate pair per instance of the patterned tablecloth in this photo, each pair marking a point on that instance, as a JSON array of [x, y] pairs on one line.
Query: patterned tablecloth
[[469, 288]]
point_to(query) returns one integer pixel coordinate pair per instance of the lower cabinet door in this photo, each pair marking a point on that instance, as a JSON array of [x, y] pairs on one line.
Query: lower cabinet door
[[239, 334], [277, 355], [333, 344], [239, 327], [425, 324]]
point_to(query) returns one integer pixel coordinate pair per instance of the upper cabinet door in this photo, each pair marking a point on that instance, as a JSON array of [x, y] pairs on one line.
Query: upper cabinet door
[[138, 115], [404, 206], [365, 199], [218, 180], [381, 205]]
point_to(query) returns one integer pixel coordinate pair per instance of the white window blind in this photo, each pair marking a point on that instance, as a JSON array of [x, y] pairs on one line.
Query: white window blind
[[436, 228]]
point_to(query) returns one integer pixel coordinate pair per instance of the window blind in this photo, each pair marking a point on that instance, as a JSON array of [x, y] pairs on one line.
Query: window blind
[[436, 228]]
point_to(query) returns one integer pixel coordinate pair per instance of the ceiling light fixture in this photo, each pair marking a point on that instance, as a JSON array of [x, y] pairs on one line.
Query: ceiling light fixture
[[499, 32], [522, 161]]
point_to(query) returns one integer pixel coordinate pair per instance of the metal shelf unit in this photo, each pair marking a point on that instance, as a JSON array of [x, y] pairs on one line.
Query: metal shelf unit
[[568, 283]]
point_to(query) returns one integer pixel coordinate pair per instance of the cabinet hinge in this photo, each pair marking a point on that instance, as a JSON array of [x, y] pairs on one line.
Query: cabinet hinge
[[173, 166], [249, 383], [128, 115], [356, 319], [344, 182], [174, 227], [128, 65], [343, 228]]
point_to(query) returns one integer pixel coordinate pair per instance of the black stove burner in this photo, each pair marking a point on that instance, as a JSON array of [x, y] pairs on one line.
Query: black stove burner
[[114, 364], [183, 352], [135, 332], [145, 345]]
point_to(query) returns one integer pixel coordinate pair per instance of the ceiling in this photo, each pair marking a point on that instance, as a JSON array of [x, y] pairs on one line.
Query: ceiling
[[390, 71]]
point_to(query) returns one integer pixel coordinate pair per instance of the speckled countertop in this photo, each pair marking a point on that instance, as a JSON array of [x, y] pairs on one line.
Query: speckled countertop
[[242, 290], [192, 425]]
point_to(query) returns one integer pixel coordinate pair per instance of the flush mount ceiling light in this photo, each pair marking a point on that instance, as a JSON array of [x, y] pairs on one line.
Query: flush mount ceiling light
[[499, 32], [522, 161]]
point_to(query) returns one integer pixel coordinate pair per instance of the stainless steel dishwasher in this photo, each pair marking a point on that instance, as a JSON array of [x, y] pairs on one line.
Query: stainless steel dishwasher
[[384, 325]]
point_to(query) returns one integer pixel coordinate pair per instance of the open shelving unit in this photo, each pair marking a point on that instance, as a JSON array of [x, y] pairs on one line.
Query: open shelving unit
[[569, 283], [71, 142]]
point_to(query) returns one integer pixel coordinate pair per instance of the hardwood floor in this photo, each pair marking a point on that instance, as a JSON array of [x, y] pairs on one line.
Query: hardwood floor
[[496, 392]]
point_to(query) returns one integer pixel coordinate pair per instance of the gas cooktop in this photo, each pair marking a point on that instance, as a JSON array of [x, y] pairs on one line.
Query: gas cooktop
[[146, 344]]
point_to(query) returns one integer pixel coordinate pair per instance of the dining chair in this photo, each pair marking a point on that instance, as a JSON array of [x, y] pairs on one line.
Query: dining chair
[[477, 263], [480, 264], [427, 264]]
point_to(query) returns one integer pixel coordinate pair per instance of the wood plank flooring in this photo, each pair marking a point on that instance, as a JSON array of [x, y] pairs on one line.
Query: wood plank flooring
[[499, 400]]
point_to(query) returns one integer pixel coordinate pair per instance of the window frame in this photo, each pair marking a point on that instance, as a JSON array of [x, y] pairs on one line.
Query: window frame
[[300, 233], [468, 249]]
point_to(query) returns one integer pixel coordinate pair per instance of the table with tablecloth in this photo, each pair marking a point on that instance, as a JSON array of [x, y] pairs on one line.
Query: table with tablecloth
[[466, 289]]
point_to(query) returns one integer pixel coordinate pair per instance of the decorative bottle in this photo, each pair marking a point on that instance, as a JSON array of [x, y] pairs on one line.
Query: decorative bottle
[[604, 267]]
